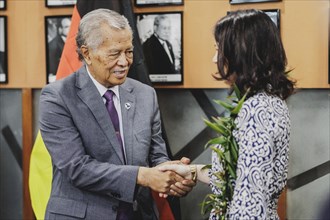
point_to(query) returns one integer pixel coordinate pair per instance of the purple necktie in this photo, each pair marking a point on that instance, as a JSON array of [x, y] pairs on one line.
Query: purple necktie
[[125, 210], [114, 117]]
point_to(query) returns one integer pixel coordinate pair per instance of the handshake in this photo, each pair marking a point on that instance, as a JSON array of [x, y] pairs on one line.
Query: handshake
[[172, 178]]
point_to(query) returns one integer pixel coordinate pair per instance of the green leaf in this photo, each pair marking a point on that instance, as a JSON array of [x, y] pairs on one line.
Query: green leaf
[[237, 92], [233, 141], [208, 166], [233, 152], [226, 105], [218, 140], [239, 104], [215, 127], [228, 157], [232, 172], [219, 152]]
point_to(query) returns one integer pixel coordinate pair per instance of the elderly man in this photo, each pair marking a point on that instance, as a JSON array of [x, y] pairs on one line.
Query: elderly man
[[103, 131]]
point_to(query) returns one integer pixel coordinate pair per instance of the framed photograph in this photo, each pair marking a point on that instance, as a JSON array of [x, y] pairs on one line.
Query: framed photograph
[[2, 4], [143, 3], [57, 29], [250, 1], [161, 38], [274, 14], [3, 50], [60, 3]]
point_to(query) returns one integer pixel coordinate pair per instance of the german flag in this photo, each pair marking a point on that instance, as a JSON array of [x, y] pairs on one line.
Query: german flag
[[40, 163]]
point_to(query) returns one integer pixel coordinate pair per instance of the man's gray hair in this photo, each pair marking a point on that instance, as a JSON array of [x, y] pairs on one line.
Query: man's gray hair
[[158, 19], [89, 31]]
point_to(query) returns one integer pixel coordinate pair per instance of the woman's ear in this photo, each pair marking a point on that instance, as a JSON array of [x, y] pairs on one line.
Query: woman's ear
[[85, 52]]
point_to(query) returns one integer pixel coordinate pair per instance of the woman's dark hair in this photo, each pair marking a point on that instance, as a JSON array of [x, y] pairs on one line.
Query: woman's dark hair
[[250, 52]]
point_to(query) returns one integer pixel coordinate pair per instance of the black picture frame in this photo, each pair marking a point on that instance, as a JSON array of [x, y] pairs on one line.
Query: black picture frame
[[60, 3], [3, 50], [233, 2], [164, 66], [147, 3], [56, 28], [275, 15], [3, 4]]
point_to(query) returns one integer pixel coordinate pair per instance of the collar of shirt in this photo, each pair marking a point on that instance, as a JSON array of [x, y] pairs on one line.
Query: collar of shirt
[[102, 89], [160, 40]]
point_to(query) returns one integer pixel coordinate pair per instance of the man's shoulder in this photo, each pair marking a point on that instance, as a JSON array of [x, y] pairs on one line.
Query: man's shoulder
[[137, 84], [151, 40], [63, 84]]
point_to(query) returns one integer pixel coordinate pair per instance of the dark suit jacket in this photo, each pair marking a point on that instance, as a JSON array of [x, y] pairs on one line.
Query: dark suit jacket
[[89, 174], [156, 57], [54, 53]]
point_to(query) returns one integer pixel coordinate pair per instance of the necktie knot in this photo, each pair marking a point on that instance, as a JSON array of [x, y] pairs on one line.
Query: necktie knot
[[112, 109], [109, 95]]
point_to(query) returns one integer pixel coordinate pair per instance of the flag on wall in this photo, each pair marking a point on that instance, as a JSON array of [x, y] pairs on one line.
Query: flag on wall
[[40, 176]]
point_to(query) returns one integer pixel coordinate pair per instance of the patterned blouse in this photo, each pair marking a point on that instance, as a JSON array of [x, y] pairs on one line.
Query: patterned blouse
[[262, 133]]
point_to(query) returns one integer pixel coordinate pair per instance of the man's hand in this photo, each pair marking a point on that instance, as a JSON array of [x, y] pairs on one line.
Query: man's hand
[[181, 187], [157, 180]]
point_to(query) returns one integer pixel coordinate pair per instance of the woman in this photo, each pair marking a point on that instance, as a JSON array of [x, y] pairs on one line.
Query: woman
[[250, 54]]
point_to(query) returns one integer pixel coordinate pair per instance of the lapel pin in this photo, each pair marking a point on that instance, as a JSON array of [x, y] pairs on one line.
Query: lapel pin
[[127, 105]]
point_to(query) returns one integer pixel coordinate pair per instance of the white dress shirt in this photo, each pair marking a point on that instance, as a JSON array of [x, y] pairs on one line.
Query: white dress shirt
[[116, 100]]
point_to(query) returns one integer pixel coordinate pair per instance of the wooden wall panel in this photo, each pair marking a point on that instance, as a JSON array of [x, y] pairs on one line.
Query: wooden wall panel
[[304, 29]]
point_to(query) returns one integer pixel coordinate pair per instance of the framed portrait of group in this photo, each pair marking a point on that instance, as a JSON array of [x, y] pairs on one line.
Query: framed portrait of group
[[160, 34], [2, 4], [3, 50], [60, 3], [143, 3], [57, 28]]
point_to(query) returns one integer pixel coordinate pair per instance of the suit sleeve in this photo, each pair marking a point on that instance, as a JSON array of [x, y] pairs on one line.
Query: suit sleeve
[[158, 152], [70, 160]]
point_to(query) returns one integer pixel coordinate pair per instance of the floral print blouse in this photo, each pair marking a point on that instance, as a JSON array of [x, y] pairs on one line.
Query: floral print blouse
[[262, 134]]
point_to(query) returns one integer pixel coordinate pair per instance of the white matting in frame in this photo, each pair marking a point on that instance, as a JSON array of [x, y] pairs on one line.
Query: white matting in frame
[[163, 54], [274, 14], [157, 2], [2, 4], [250, 1], [60, 3], [3, 50]]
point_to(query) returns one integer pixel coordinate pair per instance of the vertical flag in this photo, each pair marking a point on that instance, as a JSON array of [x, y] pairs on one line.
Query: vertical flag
[[40, 163]]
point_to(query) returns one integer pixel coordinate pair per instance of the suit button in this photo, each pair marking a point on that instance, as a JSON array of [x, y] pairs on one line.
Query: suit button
[[114, 208], [116, 195]]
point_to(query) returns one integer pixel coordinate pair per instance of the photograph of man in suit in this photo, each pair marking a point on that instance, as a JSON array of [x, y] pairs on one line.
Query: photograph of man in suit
[[55, 46], [103, 131], [2, 62], [3, 70], [158, 50], [2, 4]]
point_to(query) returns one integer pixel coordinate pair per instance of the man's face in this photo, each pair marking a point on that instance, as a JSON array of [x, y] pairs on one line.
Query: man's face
[[65, 27], [110, 62], [164, 29]]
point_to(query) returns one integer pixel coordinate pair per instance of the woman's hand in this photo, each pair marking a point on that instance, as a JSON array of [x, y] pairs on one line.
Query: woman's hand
[[181, 169]]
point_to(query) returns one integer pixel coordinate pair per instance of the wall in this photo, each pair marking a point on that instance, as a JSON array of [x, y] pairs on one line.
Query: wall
[[305, 37], [304, 29]]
